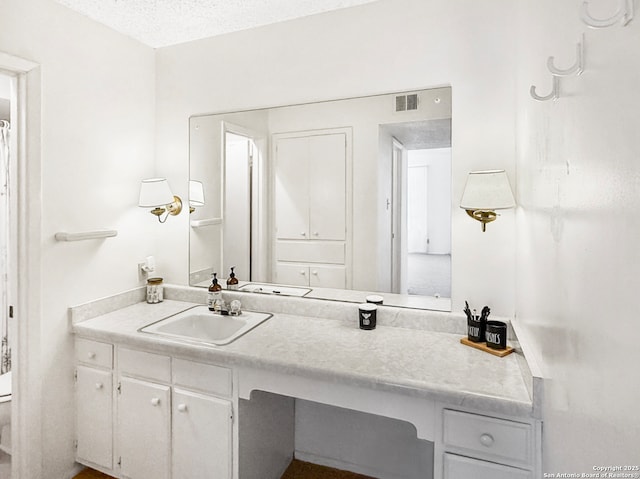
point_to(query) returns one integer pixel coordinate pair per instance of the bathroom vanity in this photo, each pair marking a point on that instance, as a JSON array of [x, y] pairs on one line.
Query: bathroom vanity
[[149, 406]]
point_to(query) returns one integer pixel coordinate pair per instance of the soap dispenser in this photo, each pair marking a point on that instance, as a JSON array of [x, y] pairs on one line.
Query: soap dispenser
[[215, 293], [232, 281]]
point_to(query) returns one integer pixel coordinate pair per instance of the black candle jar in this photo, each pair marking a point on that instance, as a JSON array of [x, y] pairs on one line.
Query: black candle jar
[[496, 335], [367, 315], [476, 329]]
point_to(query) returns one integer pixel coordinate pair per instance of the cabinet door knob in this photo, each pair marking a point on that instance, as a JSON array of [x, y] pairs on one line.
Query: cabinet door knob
[[486, 440], [303, 234], [302, 272], [99, 385], [315, 273], [155, 401], [182, 407], [91, 355], [315, 233]]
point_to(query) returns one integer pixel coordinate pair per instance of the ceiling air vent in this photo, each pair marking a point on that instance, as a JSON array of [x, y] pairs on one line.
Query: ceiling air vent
[[407, 102]]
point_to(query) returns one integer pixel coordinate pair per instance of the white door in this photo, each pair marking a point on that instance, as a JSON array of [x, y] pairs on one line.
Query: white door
[[327, 186], [94, 416], [201, 436], [144, 429], [292, 188], [237, 206], [459, 467]]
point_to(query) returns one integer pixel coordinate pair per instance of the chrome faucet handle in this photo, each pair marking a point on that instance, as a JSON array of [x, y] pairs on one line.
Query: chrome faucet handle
[[235, 308]]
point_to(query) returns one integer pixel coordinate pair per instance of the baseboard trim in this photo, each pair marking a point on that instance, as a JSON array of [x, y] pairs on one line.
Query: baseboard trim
[[77, 469]]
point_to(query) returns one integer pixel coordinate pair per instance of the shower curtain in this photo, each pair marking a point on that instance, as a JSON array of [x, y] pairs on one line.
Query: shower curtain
[[5, 352]]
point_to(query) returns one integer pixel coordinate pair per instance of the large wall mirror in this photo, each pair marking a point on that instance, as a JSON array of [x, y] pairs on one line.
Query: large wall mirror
[[334, 200]]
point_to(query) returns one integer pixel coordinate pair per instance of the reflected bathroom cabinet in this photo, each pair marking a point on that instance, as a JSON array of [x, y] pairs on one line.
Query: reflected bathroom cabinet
[[311, 193]]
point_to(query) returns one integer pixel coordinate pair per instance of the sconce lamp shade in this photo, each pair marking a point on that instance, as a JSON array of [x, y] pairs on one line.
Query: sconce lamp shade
[[196, 193], [155, 192], [487, 190]]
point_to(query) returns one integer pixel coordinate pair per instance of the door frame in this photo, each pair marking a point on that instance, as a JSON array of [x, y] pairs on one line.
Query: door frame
[[26, 401], [398, 215]]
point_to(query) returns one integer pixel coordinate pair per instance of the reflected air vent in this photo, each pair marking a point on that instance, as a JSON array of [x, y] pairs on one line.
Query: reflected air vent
[[407, 102]]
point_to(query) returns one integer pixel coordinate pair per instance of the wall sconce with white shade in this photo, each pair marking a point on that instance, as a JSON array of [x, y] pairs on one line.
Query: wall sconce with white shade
[[196, 195], [485, 192], [155, 193]]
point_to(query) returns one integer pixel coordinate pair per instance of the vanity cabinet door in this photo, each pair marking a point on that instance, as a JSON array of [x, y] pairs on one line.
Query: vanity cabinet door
[[327, 276], [460, 467], [144, 429], [94, 416], [292, 274], [202, 428]]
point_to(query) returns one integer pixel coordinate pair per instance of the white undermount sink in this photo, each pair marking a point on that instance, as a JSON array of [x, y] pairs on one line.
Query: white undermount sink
[[200, 325]]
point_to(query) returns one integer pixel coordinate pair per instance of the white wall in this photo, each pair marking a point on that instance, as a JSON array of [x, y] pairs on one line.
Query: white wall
[[465, 44], [97, 143], [578, 229]]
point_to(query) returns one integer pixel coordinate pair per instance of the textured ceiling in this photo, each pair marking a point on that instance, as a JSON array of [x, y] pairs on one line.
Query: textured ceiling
[[419, 135], [160, 23]]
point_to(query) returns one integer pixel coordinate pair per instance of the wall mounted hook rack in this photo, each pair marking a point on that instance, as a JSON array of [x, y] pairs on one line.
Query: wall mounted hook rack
[[576, 69], [624, 15], [551, 96]]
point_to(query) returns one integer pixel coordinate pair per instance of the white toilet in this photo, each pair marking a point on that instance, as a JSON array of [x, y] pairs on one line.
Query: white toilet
[[5, 412]]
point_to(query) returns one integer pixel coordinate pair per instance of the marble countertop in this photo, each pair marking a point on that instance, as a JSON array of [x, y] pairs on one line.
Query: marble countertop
[[419, 363]]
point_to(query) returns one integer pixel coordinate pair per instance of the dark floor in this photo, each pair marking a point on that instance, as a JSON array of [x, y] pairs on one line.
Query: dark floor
[[305, 470], [296, 470]]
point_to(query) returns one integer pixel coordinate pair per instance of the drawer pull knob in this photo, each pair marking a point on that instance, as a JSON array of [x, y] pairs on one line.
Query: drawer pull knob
[[182, 407], [99, 385], [91, 355], [155, 401], [486, 440]]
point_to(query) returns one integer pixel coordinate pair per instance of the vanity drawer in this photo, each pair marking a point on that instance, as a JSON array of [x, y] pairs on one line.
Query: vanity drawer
[[458, 467], [487, 437], [144, 365], [202, 377], [94, 353]]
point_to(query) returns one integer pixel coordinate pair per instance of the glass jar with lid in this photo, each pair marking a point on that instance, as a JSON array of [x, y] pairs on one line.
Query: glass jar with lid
[[154, 290]]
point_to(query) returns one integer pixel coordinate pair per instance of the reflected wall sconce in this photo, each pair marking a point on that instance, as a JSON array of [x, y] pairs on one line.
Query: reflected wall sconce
[[155, 193], [196, 195], [485, 192]]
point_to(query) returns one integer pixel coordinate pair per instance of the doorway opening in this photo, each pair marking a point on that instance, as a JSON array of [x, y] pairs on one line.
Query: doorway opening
[[243, 226], [420, 207]]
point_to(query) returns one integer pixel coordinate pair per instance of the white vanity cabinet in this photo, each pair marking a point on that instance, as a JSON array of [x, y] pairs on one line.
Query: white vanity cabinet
[[94, 403], [482, 446], [154, 416]]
